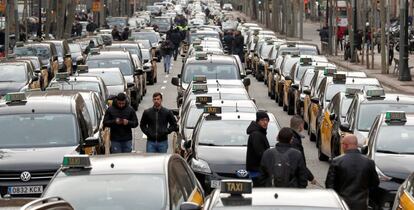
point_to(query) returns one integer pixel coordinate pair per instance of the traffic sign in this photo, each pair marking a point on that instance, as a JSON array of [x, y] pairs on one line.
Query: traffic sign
[[96, 6], [3, 6]]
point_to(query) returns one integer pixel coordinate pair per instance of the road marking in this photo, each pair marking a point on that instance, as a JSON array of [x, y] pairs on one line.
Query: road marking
[[144, 136], [163, 87], [165, 81], [166, 76]]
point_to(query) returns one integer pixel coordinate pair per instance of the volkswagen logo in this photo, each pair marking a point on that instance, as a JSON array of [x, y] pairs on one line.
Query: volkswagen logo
[[242, 173], [25, 176]]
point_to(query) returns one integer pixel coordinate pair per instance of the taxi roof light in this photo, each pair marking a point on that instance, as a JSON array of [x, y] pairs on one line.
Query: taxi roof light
[[339, 78], [15, 97], [212, 110], [199, 79], [201, 56], [306, 61], [76, 161], [62, 76], [94, 51], [395, 116], [198, 48], [203, 99], [200, 88], [328, 71], [375, 93], [236, 187], [351, 91]]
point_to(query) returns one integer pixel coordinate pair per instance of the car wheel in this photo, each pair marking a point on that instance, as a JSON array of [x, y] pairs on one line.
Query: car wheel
[[280, 100], [321, 156], [285, 108], [151, 80]]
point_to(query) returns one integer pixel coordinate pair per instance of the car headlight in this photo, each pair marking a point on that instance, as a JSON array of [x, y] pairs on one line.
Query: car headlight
[[199, 165], [381, 175]]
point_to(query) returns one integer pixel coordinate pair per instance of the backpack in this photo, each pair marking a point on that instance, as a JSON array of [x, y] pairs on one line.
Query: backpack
[[280, 169]]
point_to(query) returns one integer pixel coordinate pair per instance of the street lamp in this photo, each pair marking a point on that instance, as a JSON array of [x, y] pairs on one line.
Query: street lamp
[[404, 74]]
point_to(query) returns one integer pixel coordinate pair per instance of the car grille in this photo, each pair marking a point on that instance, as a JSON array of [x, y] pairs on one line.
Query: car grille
[[230, 175], [35, 175]]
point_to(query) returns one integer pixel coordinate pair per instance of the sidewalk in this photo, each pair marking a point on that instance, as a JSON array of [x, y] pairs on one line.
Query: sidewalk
[[389, 80]]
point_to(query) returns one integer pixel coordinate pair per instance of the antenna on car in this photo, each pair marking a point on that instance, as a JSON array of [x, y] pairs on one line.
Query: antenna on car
[[237, 108]]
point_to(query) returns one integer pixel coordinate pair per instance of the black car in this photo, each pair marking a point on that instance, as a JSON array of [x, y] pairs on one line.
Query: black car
[[38, 129]]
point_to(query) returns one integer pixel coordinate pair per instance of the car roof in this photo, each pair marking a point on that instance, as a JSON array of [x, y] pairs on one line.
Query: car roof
[[81, 78], [137, 163], [42, 102], [242, 116], [102, 70], [109, 54], [229, 103], [409, 116], [390, 98], [213, 59]]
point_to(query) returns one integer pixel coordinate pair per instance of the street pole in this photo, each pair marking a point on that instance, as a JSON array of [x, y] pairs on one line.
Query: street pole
[[383, 50], [353, 31], [404, 74], [329, 15], [301, 8], [7, 32], [39, 28]]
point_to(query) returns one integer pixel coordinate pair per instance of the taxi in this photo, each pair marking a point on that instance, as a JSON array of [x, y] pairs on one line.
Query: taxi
[[390, 145], [41, 127], [367, 105], [262, 70], [240, 195], [113, 79], [302, 87], [283, 79], [18, 75], [405, 195], [125, 181], [213, 155]]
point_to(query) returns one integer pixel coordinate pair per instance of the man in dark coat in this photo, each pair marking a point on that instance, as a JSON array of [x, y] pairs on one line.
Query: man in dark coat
[[175, 37], [297, 126], [115, 34], [228, 41], [295, 175], [352, 175], [125, 34], [256, 146], [121, 118], [91, 27], [238, 43]]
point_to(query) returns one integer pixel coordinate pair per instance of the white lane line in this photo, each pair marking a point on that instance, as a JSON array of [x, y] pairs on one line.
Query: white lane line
[[163, 87], [166, 76], [165, 81]]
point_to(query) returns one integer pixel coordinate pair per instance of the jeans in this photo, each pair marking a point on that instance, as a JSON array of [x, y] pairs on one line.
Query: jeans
[[257, 178], [157, 146], [121, 146], [167, 63]]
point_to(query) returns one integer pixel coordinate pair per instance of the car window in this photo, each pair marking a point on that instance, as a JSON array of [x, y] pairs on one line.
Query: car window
[[125, 65], [368, 112], [110, 78], [12, 73], [395, 139], [211, 71]]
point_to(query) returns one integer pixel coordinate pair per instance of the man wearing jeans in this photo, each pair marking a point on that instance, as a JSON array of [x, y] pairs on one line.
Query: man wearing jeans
[[156, 123], [120, 118]]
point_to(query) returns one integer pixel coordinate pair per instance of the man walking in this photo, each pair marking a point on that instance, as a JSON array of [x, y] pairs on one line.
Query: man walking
[[297, 125], [167, 48], [284, 166], [156, 123], [256, 146], [91, 27], [352, 175], [175, 37], [121, 118], [238, 43]]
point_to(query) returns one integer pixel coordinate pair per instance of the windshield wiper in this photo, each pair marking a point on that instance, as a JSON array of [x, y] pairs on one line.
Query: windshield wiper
[[388, 151]]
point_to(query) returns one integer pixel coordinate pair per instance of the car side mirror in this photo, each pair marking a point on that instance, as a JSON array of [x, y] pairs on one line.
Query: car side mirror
[[315, 100], [175, 112], [332, 116], [91, 142], [266, 60], [130, 85], [155, 59], [288, 78], [146, 67], [139, 72], [307, 92], [35, 78], [249, 71], [277, 71], [295, 86], [175, 81], [345, 127], [364, 149], [189, 206], [187, 144], [246, 82]]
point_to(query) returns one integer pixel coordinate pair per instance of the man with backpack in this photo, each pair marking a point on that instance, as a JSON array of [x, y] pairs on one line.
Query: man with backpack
[[284, 166]]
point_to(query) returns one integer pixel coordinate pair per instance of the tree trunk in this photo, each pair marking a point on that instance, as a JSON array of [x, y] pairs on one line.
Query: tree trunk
[[69, 19]]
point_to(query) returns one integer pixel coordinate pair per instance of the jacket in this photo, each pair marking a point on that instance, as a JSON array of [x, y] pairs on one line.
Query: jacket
[[120, 132], [238, 43], [297, 144], [175, 37], [167, 48], [158, 123], [257, 144], [298, 174], [351, 175]]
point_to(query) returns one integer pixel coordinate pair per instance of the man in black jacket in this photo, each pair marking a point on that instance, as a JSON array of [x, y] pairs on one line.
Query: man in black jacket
[[238, 43], [289, 163], [352, 175], [121, 118], [256, 146], [175, 37], [156, 123], [297, 126]]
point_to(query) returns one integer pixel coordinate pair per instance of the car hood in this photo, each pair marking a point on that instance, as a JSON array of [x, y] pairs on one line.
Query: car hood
[[129, 79], [115, 89], [8, 87], [33, 158], [397, 166], [223, 159]]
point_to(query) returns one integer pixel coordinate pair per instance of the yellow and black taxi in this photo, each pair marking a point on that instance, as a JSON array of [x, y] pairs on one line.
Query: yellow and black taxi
[[223, 67], [125, 181], [261, 52], [367, 105], [304, 87], [124, 61], [240, 195], [390, 145], [405, 195], [214, 155], [16, 76], [38, 129], [63, 52], [63, 81], [283, 79]]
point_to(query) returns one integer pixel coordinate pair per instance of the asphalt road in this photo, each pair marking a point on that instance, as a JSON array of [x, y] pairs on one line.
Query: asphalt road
[[257, 91]]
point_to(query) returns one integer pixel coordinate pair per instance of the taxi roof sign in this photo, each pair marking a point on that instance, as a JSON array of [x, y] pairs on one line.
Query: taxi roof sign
[[395, 117], [203, 99], [62, 76], [375, 93], [339, 78], [76, 161], [200, 88], [212, 110], [306, 61], [351, 91], [200, 79], [14, 97], [201, 56], [329, 71], [198, 48], [236, 187]]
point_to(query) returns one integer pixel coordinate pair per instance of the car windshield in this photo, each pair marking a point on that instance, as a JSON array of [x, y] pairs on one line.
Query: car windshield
[[308, 79], [146, 55], [39, 51], [288, 64], [396, 139], [110, 78], [160, 21], [308, 50], [59, 130], [91, 109], [211, 71], [12, 73], [152, 37], [131, 49], [195, 36], [368, 112], [145, 43], [59, 50], [232, 132], [265, 51], [121, 22], [194, 113], [124, 65], [346, 102], [111, 191], [78, 85], [300, 72], [75, 48]]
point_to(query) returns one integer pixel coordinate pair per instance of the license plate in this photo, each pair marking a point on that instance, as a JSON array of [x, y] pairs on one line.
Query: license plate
[[215, 183], [25, 190]]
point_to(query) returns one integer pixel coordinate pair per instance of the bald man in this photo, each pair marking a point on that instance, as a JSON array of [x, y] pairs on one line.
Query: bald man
[[352, 175]]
